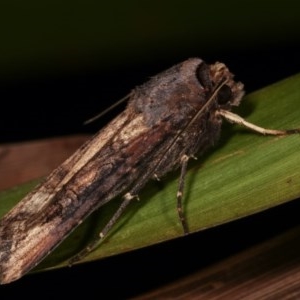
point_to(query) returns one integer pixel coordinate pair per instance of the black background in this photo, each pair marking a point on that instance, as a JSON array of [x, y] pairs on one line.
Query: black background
[[40, 105]]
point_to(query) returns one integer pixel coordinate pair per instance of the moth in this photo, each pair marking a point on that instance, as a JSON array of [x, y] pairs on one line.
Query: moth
[[168, 120]]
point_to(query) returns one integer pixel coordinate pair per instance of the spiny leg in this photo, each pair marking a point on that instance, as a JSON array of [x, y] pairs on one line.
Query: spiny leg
[[127, 199], [184, 163], [133, 193], [233, 118]]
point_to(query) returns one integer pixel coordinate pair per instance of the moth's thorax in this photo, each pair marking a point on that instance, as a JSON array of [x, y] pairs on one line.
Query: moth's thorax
[[184, 89]]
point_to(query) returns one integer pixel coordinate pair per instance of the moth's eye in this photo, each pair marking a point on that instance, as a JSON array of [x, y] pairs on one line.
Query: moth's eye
[[202, 74], [224, 94]]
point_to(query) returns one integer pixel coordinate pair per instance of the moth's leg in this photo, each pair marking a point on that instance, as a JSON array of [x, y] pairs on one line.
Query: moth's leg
[[233, 118], [184, 163], [133, 193], [127, 199]]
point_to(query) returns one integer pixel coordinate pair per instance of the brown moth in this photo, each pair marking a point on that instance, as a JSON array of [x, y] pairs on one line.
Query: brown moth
[[168, 120]]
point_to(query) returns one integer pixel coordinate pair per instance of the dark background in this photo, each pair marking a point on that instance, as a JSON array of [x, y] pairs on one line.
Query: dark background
[[39, 104], [61, 63]]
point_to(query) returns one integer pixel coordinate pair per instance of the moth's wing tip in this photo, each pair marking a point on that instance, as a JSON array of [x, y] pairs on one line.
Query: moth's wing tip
[[9, 273], [7, 278]]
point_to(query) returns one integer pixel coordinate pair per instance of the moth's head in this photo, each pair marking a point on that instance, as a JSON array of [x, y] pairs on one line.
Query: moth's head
[[216, 78]]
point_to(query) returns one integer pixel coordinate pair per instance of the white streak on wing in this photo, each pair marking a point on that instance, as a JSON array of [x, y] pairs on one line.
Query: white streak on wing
[[28, 250], [32, 234], [40, 197], [37, 201], [136, 126], [31, 205], [134, 129]]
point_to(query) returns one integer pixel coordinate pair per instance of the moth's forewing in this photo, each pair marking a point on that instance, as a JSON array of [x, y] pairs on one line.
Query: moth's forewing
[[166, 118]]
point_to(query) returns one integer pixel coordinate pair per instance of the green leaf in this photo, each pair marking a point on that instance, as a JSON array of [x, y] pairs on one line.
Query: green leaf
[[245, 173]]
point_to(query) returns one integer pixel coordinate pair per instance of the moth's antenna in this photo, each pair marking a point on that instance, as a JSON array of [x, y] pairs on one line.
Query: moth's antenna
[[107, 109]]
